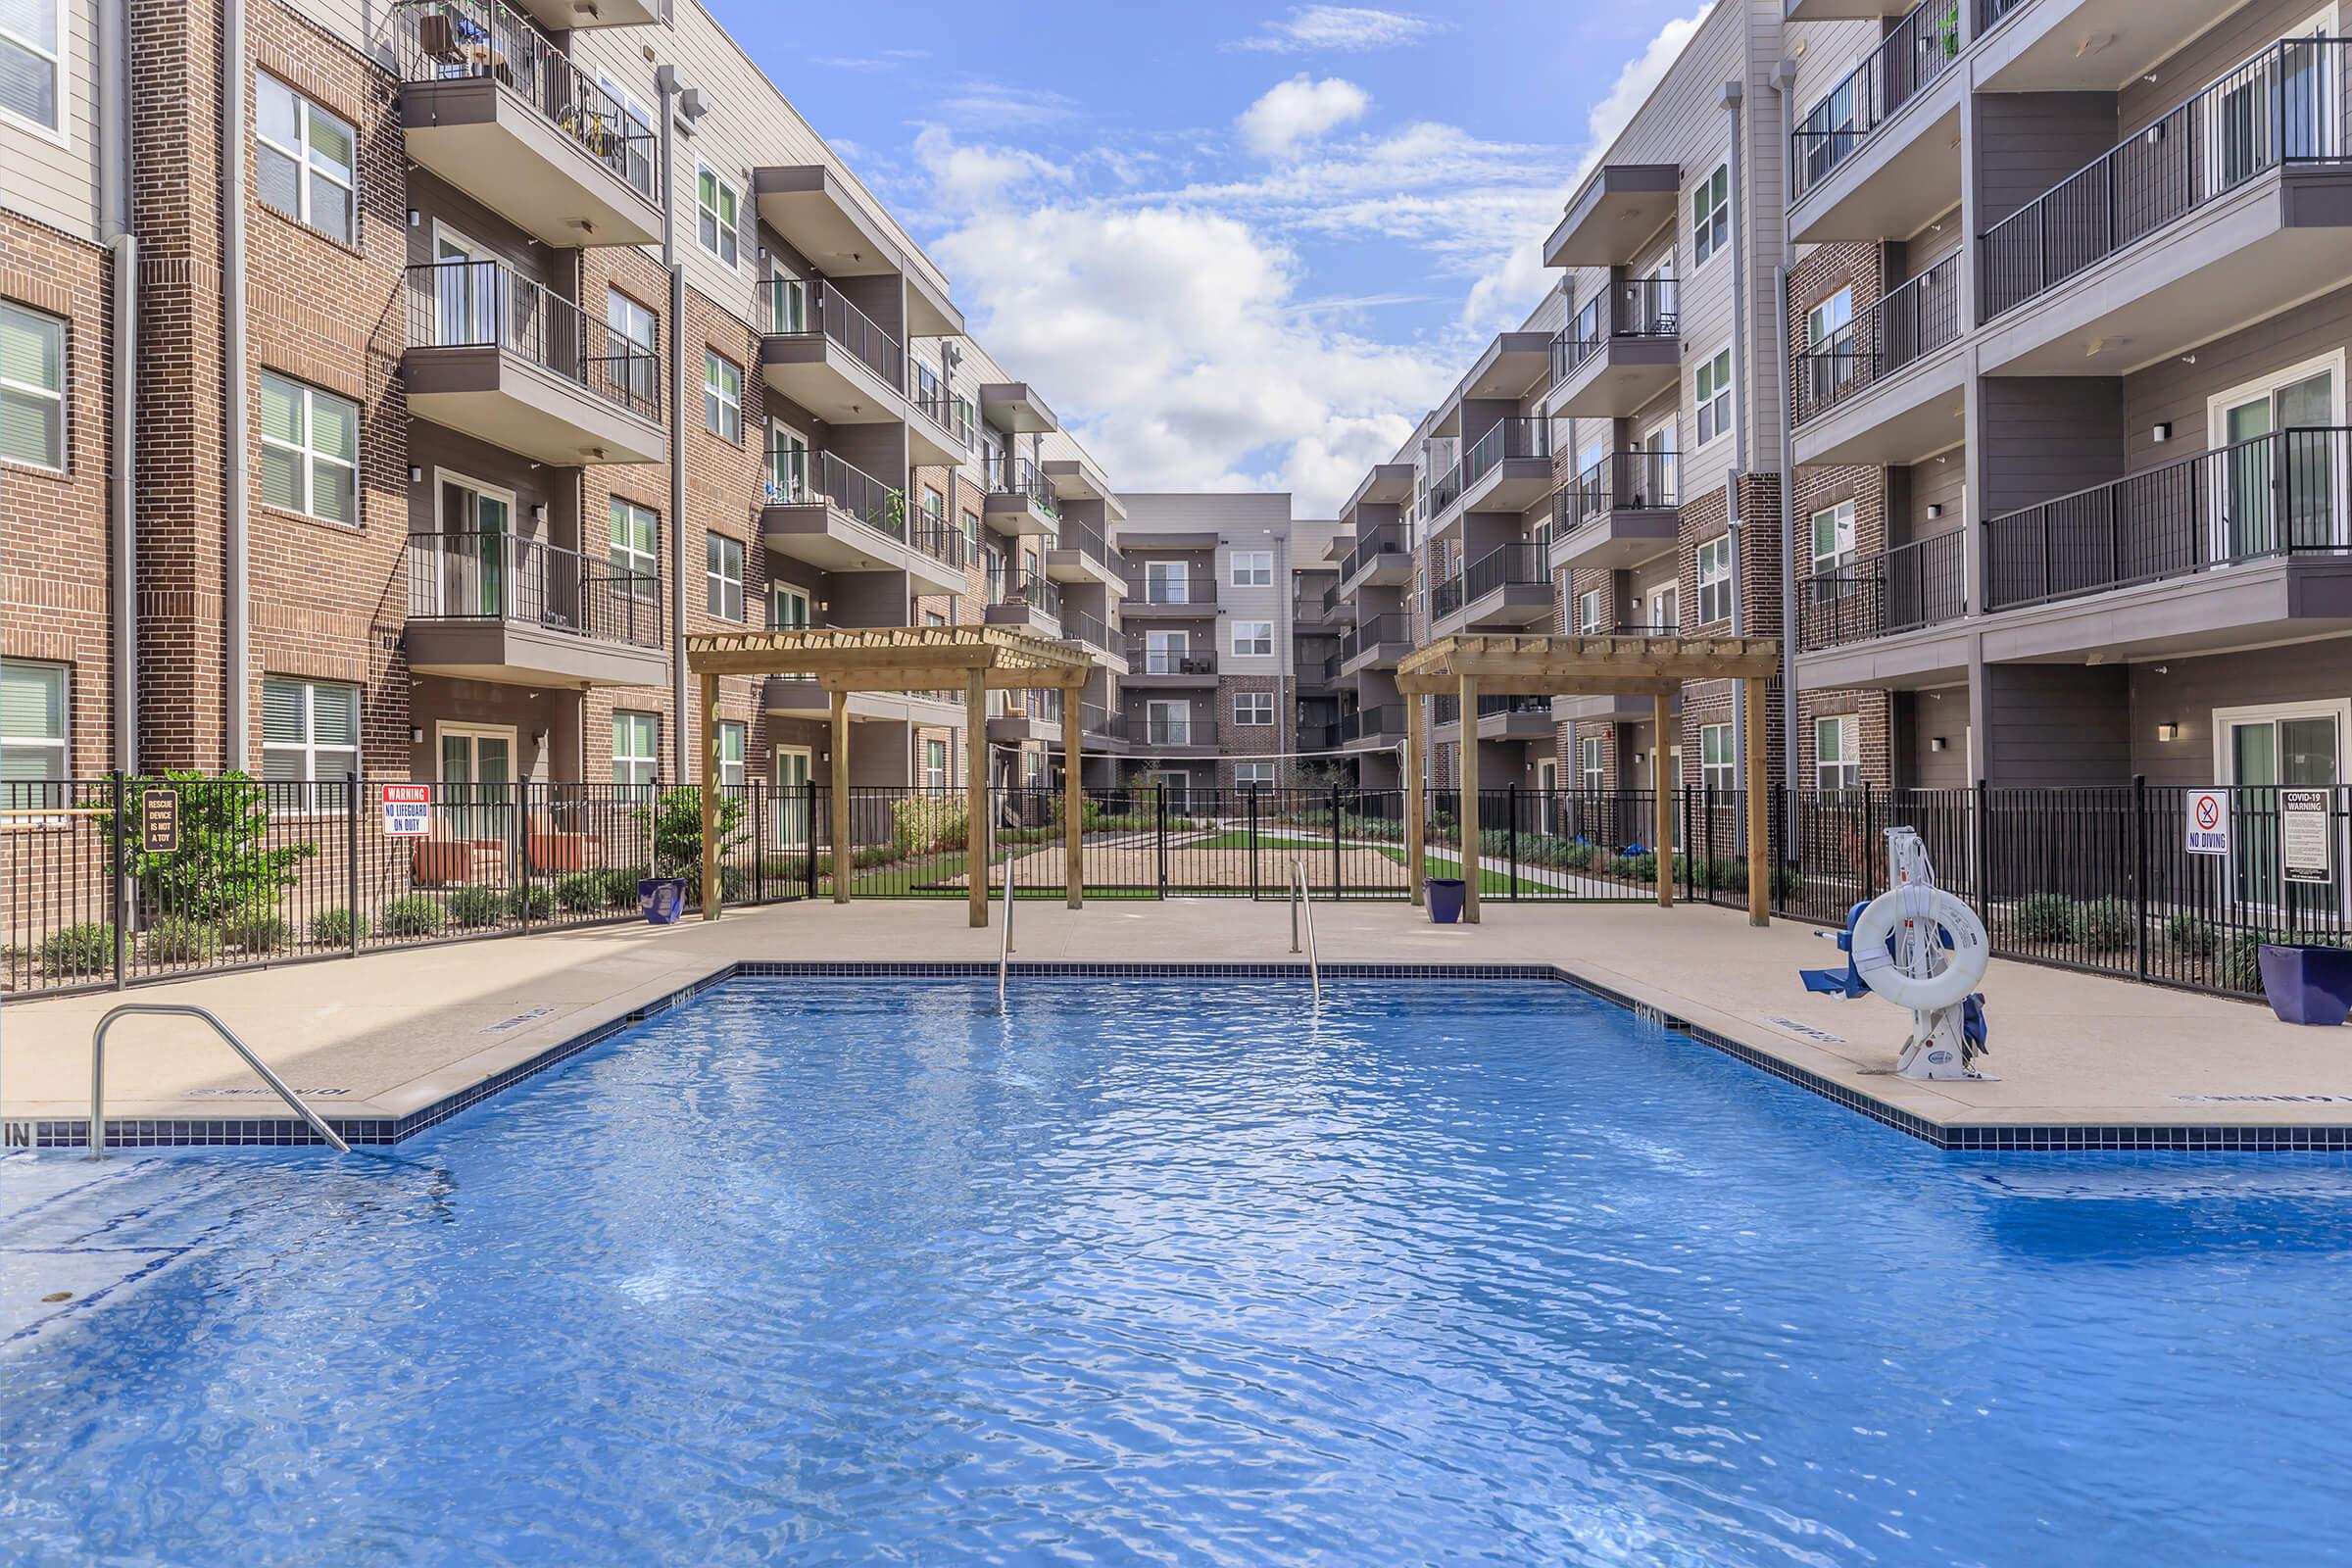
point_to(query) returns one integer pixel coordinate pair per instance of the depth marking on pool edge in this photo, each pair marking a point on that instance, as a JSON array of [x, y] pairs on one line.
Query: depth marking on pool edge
[[1806, 1031]]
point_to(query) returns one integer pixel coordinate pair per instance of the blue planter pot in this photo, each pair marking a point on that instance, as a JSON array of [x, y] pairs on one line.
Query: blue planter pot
[[1446, 894], [2307, 984], [662, 898]]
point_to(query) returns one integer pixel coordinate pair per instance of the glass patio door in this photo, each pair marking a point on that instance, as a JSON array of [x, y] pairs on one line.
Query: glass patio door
[[466, 291], [793, 773], [2277, 488], [2265, 755], [477, 777], [1164, 652], [1166, 582], [788, 471], [479, 527]]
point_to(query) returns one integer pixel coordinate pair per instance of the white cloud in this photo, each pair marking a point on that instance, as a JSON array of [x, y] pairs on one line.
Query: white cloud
[[1350, 29], [965, 175], [1300, 109], [999, 106]]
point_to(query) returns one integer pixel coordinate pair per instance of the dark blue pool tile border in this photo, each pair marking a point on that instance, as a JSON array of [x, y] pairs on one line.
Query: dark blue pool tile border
[[74, 1133]]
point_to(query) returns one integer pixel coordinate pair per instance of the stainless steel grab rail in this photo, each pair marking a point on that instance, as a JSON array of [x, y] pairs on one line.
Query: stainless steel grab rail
[[180, 1009], [1299, 900], [1003, 951]]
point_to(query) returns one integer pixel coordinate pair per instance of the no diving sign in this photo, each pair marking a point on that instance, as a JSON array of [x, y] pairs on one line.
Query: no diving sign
[[407, 810], [2208, 823]]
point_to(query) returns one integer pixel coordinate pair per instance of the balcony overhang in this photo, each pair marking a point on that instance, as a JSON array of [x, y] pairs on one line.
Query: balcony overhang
[[1514, 365], [1514, 724], [1110, 658], [2090, 45], [1066, 562], [831, 382], [1075, 479], [929, 443], [1896, 180], [1143, 677], [2259, 251], [1133, 608], [2244, 605], [1021, 615], [1389, 484], [831, 540], [1908, 660], [820, 217], [1501, 608], [511, 403], [1846, 10], [518, 654], [1014, 409], [1617, 209], [1377, 568], [793, 696], [1513, 485], [561, 15], [1619, 540], [485, 140], [929, 310], [1620, 378], [1376, 656], [1018, 514], [1010, 729], [1908, 413], [1617, 708]]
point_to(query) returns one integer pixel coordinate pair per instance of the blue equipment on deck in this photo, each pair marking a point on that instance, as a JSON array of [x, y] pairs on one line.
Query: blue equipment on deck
[[1849, 984]]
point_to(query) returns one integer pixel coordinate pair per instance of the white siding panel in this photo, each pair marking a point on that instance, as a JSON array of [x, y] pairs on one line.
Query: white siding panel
[[52, 183]]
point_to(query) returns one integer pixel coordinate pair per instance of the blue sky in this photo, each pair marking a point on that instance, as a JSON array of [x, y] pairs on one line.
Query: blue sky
[[1234, 245]]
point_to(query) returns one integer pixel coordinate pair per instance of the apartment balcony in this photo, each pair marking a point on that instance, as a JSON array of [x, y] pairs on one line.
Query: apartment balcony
[[1014, 409], [1879, 155], [1164, 666], [1617, 211], [1895, 618], [1388, 484], [1011, 728], [1080, 554], [1623, 351], [1376, 643], [1094, 635], [1620, 512], [1186, 597], [1020, 502], [837, 517], [1027, 603], [2081, 45], [940, 436], [1510, 585], [502, 359], [558, 15], [2230, 206], [1499, 719], [1508, 468], [1100, 729], [829, 357], [838, 234], [1172, 734], [1613, 708], [1883, 390], [1512, 366], [804, 698], [492, 606], [1381, 556], [1374, 728], [494, 108], [1335, 607]]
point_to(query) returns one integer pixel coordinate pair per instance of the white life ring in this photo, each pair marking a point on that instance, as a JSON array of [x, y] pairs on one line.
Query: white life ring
[[1964, 963]]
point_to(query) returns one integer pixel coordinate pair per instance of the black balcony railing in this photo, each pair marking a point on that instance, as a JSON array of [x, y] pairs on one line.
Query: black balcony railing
[[795, 306], [797, 477], [1101, 722], [941, 541], [930, 395], [1172, 729], [1386, 541], [442, 40], [1019, 476], [1922, 583], [1445, 490], [1377, 722], [1637, 481], [1391, 628], [1517, 436], [2272, 497], [455, 304], [1915, 52], [1145, 660], [1040, 592], [1502, 567], [1911, 323], [1633, 306], [1185, 590], [1992, 11], [1089, 542], [1448, 710], [2286, 105], [482, 576], [1080, 627]]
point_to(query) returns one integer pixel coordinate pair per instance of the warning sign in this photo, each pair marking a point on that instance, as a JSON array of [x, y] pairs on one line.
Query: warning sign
[[2208, 823], [2306, 843], [407, 810], [159, 821]]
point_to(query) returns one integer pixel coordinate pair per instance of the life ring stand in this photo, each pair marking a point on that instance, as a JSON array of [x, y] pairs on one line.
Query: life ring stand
[[1968, 951]]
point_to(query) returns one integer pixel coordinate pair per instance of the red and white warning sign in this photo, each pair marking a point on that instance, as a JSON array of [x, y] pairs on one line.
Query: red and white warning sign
[[407, 810], [2208, 823]]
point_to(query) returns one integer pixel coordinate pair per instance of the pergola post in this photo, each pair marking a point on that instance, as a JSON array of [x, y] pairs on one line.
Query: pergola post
[[975, 805], [842, 857], [1759, 816], [1073, 813], [710, 796], [1468, 751], [1662, 782], [1416, 800]]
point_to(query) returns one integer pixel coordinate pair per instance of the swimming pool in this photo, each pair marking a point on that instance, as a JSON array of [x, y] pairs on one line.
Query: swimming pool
[[1157, 1270]]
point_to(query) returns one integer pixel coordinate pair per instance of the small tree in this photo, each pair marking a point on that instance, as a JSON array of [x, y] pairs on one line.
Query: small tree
[[224, 861], [676, 819]]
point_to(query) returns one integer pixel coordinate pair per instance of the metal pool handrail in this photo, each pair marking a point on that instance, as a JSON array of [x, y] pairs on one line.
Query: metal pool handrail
[[185, 1010], [1005, 951], [1299, 901]]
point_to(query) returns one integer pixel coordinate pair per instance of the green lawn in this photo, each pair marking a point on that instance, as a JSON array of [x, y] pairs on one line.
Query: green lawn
[[1240, 839], [1491, 882]]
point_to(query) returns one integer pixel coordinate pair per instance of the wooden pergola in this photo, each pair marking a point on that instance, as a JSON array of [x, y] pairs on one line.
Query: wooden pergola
[[895, 659], [1615, 666]]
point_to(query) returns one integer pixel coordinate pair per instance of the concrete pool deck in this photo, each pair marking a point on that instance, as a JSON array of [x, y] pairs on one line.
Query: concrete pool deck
[[387, 1036]]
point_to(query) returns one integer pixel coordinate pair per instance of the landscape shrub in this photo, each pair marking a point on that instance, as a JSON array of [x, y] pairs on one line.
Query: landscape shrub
[[2046, 917], [472, 908], [224, 862], [2106, 925], [620, 886], [177, 939], [581, 892], [332, 928], [2190, 933], [87, 949], [532, 901], [920, 823], [412, 914], [257, 929]]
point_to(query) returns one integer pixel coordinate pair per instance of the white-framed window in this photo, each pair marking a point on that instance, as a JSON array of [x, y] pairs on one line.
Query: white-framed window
[[1253, 708], [723, 397], [1253, 775], [34, 712], [1715, 579], [1253, 638], [1588, 613], [636, 548], [716, 214], [787, 607], [633, 324], [1838, 751], [309, 450], [1592, 763], [636, 745], [731, 733], [1711, 396], [1834, 550], [935, 764], [723, 575], [32, 387], [1718, 767], [1830, 317], [1252, 569], [303, 164], [310, 734], [1711, 215], [1666, 608], [33, 46]]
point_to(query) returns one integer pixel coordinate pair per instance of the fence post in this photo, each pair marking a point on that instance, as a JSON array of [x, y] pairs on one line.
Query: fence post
[[1511, 839], [1983, 827], [1335, 861], [120, 894], [1251, 795], [350, 855], [1162, 840], [759, 839], [809, 818], [2139, 876]]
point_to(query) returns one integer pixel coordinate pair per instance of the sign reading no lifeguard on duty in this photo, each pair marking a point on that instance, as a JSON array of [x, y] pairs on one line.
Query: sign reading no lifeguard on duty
[[407, 810], [2208, 823]]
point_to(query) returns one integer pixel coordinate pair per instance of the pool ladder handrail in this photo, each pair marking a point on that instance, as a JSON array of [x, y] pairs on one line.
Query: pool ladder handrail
[[181, 1009], [1300, 900], [1005, 950]]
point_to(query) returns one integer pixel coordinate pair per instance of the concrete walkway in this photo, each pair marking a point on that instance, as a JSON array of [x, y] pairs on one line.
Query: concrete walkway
[[387, 1035]]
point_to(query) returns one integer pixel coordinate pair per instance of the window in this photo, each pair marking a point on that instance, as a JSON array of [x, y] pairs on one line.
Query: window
[[1253, 637], [787, 607], [1254, 708], [1712, 397], [303, 164], [1666, 608], [32, 65], [636, 548], [1834, 551], [310, 734], [636, 747], [1167, 582], [309, 450], [633, 324], [1711, 215], [32, 387], [1830, 317], [1592, 763], [1253, 775], [935, 764], [1252, 569], [722, 397], [723, 575], [32, 729], [1838, 753], [730, 752], [1718, 768], [714, 215], [1715, 579], [1588, 614], [971, 538]]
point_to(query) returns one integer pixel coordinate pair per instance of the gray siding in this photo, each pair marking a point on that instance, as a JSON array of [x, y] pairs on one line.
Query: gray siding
[[2186, 691], [2178, 392], [2049, 436], [2058, 725], [2027, 142]]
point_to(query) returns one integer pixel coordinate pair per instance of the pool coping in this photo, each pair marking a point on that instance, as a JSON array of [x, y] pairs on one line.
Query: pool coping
[[62, 1132]]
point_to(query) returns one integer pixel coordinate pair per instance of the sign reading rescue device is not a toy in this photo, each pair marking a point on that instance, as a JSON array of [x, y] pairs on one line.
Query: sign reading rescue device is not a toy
[[2306, 843], [159, 821]]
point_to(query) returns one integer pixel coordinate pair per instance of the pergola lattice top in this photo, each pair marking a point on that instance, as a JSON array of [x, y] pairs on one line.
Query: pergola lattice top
[[894, 657], [1598, 666]]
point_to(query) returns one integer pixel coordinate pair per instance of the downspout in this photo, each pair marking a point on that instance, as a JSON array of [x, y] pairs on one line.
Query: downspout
[[1735, 97], [234, 610], [666, 81], [1784, 78], [113, 206]]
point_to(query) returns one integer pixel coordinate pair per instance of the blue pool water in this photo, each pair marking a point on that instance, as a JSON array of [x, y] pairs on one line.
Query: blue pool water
[[835, 1272]]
